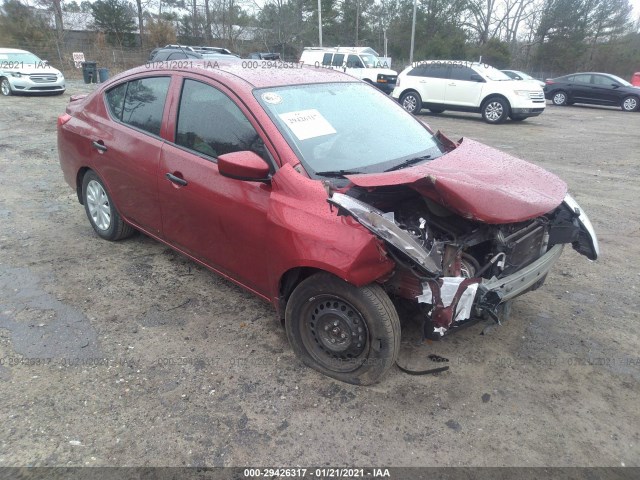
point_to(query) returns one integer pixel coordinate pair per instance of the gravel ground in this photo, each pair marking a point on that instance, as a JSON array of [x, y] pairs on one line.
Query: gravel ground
[[129, 354]]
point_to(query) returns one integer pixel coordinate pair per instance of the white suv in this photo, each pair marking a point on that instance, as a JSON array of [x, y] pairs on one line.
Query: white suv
[[441, 85]]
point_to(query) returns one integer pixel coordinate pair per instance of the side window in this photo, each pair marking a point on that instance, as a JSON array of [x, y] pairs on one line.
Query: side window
[[582, 78], [115, 100], [144, 103], [571, 78], [435, 70], [459, 72], [603, 81], [418, 72], [210, 123], [338, 60], [326, 59], [353, 61]]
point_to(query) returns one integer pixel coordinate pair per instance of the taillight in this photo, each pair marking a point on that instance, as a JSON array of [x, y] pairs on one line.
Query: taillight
[[64, 118], [398, 82], [549, 81]]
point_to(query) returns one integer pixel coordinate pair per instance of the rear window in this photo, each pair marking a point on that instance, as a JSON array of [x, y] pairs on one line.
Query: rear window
[[139, 103]]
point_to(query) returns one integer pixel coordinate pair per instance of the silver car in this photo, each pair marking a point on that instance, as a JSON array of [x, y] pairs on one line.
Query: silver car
[[24, 72]]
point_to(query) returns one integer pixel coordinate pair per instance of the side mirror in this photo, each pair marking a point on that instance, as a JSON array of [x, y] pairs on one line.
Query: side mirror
[[476, 78], [244, 165], [615, 85]]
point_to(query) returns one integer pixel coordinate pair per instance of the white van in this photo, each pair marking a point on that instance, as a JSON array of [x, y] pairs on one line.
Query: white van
[[359, 62]]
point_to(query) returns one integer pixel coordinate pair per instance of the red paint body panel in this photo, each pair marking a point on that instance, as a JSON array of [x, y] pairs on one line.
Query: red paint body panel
[[480, 183], [250, 232]]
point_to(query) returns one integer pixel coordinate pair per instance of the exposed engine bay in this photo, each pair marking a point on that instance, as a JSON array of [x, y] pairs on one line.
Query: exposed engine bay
[[456, 268]]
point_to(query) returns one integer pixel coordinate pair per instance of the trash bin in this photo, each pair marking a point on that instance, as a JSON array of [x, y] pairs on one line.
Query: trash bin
[[89, 72], [103, 74]]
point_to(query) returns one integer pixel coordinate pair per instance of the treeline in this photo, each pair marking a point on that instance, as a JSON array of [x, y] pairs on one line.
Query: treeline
[[539, 36]]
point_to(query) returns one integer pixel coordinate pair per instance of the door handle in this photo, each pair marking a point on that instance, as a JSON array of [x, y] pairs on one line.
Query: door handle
[[99, 145], [451, 84], [177, 180]]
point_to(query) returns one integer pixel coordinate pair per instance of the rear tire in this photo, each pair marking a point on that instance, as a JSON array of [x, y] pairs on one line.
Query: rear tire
[[411, 102], [348, 333], [102, 213], [560, 98]]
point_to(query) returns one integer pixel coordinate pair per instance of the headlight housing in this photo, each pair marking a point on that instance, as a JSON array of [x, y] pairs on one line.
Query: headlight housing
[[16, 74], [522, 93]]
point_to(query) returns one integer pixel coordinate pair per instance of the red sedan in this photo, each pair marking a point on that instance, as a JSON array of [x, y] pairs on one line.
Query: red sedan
[[321, 195]]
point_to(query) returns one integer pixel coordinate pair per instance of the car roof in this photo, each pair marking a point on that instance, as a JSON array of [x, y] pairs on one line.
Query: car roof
[[12, 50], [238, 76]]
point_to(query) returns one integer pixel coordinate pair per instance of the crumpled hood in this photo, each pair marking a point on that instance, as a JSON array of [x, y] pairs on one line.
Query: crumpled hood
[[479, 183]]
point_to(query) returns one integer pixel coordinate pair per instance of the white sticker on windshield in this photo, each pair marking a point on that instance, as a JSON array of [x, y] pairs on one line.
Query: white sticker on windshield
[[307, 124], [272, 98]]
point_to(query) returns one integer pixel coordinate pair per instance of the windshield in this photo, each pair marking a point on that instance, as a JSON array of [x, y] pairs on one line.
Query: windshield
[[491, 73], [28, 58], [347, 127], [524, 76], [621, 80]]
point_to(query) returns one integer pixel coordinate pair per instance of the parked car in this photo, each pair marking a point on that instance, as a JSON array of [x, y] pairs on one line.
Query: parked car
[[264, 56], [171, 54], [518, 75], [320, 195], [593, 88], [23, 72], [441, 85], [359, 62], [176, 52]]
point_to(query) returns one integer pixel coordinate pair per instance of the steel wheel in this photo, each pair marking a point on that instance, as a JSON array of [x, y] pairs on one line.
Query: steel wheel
[[5, 87], [335, 333], [630, 104], [346, 332], [495, 110], [99, 206], [411, 102], [560, 98]]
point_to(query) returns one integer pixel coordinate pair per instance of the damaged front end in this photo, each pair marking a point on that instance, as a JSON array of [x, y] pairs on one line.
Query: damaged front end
[[460, 268]]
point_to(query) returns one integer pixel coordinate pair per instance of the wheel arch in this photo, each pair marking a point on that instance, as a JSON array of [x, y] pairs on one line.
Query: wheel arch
[[494, 95], [79, 178]]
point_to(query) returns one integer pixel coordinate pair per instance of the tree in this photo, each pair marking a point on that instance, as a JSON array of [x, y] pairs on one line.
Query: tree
[[115, 19], [161, 32], [22, 24]]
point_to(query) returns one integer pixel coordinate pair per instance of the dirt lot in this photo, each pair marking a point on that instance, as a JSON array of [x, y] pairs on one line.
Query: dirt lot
[[129, 354]]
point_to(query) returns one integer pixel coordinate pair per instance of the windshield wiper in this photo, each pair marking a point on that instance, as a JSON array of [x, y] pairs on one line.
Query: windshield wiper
[[406, 163], [337, 173]]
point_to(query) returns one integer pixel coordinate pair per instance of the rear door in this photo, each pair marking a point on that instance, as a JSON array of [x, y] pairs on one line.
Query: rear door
[[461, 90], [430, 81], [580, 89], [127, 148], [218, 220]]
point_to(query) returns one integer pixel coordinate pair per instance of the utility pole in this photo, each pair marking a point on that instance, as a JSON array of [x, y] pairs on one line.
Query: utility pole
[[320, 22], [413, 31]]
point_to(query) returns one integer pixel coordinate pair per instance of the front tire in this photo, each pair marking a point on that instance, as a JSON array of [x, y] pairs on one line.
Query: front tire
[[411, 102], [5, 87], [102, 213], [495, 110], [348, 333], [630, 104], [560, 98]]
